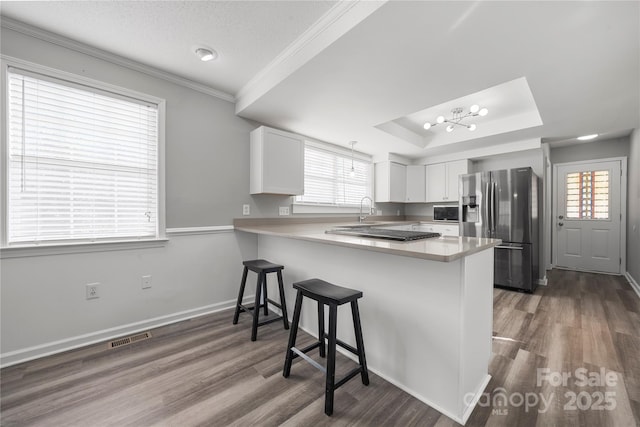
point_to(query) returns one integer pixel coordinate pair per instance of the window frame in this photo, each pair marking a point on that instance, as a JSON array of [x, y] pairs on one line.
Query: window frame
[[301, 207], [58, 247]]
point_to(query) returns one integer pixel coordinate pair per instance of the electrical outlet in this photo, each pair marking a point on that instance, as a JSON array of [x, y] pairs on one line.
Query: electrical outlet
[[92, 290], [379, 212], [284, 210], [146, 282], [246, 209]]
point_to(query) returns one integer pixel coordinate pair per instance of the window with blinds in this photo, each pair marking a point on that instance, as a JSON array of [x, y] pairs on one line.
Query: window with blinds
[[587, 195], [328, 180], [82, 163]]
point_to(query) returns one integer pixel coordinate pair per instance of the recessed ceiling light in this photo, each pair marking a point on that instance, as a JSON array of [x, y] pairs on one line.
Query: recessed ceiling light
[[588, 137], [206, 54]]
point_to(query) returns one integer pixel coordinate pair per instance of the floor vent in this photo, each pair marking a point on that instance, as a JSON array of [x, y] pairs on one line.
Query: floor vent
[[129, 340]]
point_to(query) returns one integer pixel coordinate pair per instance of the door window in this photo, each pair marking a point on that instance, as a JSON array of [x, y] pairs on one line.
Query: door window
[[588, 195]]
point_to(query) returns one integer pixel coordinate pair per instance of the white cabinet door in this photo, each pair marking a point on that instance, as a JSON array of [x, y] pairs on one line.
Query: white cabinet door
[[390, 182], [447, 229], [276, 163], [454, 170], [442, 180], [416, 191], [436, 176]]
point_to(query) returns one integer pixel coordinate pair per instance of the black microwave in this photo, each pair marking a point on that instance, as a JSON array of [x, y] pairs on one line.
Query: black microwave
[[445, 213]]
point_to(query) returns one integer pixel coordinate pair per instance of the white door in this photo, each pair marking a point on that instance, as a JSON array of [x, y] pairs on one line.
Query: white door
[[588, 216]]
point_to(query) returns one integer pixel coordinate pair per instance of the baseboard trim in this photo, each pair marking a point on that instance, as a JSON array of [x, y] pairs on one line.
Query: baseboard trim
[[48, 349], [476, 397], [633, 283], [543, 282]]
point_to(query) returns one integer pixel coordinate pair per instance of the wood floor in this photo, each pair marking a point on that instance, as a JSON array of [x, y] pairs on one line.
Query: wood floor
[[206, 372]]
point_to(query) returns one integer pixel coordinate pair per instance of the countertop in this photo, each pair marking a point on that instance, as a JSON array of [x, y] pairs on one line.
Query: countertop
[[443, 249]]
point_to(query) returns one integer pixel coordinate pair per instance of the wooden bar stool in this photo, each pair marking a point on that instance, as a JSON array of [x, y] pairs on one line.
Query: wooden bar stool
[[262, 268], [333, 296]]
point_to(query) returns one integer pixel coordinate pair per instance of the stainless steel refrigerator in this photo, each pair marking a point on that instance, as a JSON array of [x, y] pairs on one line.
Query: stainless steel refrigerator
[[503, 205]]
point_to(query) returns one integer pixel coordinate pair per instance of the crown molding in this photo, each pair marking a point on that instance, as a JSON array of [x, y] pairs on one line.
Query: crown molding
[[77, 46], [338, 20]]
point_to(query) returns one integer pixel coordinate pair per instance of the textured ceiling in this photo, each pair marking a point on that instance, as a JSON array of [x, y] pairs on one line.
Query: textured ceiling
[[246, 34]]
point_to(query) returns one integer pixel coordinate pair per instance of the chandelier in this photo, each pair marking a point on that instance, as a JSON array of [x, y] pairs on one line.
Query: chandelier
[[458, 117]]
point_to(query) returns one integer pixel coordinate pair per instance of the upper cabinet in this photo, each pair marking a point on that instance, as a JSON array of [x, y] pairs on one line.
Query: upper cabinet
[[276, 162], [442, 180], [416, 191], [390, 182]]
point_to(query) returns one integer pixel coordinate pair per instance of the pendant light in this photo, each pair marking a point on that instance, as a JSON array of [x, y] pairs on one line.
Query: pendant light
[[352, 172]]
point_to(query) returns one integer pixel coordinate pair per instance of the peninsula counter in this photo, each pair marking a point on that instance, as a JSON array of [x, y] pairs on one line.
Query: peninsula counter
[[426, 312]]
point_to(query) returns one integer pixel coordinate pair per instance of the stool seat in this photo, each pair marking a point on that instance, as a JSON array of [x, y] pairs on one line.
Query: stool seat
[[326, 292], [262, 266]]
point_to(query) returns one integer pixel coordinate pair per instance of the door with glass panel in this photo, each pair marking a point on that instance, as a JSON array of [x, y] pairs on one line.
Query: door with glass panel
[[587, 216]]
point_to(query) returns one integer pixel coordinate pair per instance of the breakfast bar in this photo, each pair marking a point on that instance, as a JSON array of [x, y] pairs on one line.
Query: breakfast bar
[[427, 305]]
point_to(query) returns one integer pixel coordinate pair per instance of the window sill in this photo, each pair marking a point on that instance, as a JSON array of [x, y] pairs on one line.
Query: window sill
[[76, 248]]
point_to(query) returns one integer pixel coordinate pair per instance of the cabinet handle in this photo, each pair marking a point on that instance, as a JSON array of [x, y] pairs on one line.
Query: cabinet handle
[[513, 248]]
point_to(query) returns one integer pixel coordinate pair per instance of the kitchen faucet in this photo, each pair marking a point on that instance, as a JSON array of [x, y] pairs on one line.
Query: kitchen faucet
[[363, 217]]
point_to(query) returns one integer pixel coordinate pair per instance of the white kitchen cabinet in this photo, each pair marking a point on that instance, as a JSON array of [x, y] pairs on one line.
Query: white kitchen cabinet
[[276, 162], [416, 191], [390, 182], [442, 180]]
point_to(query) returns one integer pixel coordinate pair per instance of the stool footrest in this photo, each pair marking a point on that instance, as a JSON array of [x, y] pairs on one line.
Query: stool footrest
[[308, 348], [266, 322], [249, 308], [347, 377], [347, 346], [308, 359], [274, 303]]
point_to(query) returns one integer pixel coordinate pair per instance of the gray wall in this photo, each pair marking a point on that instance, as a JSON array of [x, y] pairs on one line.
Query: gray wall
[[527, 158], [633, 207], [207, 145], [618, 147]]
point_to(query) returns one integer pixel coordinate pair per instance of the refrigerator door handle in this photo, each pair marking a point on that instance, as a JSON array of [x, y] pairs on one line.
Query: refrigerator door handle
[[487, 209], [513, 248], [494, 185]]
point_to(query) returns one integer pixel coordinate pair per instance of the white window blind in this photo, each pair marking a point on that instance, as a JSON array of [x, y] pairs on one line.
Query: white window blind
[[82, 162], [327, 178]]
